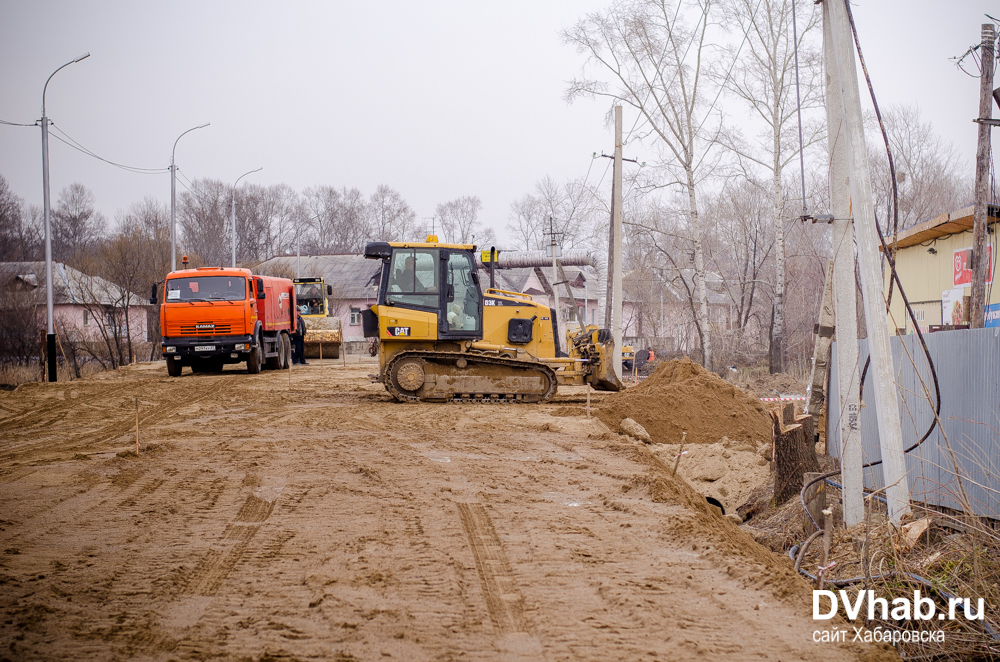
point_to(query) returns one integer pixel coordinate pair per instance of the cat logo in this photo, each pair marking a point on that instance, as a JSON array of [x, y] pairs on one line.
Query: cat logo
[[397, 331]]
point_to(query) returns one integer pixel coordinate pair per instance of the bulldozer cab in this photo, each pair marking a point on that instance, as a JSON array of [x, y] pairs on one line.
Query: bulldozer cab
[[310, 295], [438, 279]]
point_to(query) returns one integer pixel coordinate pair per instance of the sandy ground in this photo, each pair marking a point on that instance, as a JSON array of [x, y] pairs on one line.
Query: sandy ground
[[321, 520]]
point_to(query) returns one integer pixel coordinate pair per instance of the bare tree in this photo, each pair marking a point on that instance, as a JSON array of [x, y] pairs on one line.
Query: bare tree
[[763, 77], [22, 321], [571, 206], [928, 170], [459, 221], [137, 256], [20, 230], [337, 220], [654, 57], [76, 226], [204, 221], [744, 248], [389, 217]]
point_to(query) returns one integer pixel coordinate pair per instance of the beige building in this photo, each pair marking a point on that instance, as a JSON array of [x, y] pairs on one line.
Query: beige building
[[934, 265]]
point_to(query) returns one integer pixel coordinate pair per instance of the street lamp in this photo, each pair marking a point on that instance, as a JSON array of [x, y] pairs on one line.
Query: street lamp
[[173, 199], [50, 337], [234, 211]]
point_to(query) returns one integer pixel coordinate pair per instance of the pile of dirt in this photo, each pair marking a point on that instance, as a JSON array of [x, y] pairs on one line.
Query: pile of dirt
[[774, 386], [681, 396], [729, 471]]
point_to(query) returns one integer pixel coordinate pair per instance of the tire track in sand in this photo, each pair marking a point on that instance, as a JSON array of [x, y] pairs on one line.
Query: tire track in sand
[[503, 601], [215, 566]]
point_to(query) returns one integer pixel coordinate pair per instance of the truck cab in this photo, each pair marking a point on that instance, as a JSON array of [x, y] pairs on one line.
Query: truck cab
[[213, 316]]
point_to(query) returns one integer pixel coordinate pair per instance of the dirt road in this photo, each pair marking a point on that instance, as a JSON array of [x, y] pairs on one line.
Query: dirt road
[[324, 521]]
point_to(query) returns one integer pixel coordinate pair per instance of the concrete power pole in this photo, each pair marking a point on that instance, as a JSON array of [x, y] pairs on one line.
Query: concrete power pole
[[872, 286], [980, 266], [616, 304], [555, 248], [844, 293]]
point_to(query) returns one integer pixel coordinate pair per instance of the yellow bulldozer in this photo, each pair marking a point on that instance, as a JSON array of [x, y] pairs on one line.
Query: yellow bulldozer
[[443, 337], [323, 331]]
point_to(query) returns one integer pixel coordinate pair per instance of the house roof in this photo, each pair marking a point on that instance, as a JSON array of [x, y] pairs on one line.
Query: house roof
[[943, 225], [352, 275], [69, 286]]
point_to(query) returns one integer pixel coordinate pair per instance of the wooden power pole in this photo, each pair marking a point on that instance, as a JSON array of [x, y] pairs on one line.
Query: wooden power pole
[[872, 286], [980, 266]]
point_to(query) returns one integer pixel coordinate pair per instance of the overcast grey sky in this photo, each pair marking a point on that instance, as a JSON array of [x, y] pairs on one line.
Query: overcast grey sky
[[436, 99]]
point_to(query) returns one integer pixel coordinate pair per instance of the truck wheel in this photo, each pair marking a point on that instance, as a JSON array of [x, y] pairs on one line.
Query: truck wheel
[[174, 367], [286, 351], [254, 358], [274, 362], [336, 352]]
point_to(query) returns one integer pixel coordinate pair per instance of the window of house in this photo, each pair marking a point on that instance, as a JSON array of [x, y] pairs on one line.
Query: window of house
[[355, 316], [86, 318]]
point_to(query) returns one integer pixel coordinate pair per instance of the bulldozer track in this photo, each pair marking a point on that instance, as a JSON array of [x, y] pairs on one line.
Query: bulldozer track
[[437, 357]]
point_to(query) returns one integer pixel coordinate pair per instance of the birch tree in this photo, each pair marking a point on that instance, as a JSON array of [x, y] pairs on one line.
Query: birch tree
[[763, 77], [652, 51]]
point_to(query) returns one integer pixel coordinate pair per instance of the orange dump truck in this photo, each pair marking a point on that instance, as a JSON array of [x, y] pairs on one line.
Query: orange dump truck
[[213, 316]]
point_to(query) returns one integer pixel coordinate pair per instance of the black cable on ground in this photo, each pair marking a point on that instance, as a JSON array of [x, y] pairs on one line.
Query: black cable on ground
[[794, 553]]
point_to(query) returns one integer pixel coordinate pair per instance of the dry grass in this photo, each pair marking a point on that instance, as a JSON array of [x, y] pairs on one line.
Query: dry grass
[[958, 555], [12, 375]]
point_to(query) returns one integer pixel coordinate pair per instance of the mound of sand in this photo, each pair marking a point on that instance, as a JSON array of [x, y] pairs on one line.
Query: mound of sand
[[727, 470], [681, 396], [774, 386]]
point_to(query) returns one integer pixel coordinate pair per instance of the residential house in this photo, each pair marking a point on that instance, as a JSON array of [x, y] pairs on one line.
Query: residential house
[[86, 310]]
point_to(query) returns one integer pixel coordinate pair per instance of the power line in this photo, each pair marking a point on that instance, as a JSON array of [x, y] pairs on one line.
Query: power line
[[16, 123], [80, 148]]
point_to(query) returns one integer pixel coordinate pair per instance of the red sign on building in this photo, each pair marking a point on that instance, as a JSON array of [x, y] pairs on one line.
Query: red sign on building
[[962, 266]]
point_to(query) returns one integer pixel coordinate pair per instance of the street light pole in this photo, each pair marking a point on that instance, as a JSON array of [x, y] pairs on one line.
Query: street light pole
[[50, 337], [234, 210], [173, 199]]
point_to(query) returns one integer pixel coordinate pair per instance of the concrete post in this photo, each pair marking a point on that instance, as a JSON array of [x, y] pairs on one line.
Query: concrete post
[[872, 286], [616, 305]]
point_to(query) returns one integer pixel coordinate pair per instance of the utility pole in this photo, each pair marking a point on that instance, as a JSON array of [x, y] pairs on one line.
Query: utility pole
[[844, 294], [556, 250], [980, 265], [616, 303], [872, 286]]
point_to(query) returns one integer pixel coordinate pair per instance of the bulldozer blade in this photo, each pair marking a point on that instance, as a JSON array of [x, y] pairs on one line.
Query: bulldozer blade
[[603, 378]]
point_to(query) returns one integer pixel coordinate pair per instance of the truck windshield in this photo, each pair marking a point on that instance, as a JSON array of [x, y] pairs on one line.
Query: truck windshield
[[310, 298], [207, 288]]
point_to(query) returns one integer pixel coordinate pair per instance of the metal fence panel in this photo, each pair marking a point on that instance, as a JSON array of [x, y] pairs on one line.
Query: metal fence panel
[[967, 363]]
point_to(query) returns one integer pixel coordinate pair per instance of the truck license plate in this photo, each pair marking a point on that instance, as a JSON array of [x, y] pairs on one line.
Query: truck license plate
[[204, 348]]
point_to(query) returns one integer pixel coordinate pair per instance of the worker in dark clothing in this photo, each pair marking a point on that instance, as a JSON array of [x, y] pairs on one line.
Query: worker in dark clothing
[[299, 341]]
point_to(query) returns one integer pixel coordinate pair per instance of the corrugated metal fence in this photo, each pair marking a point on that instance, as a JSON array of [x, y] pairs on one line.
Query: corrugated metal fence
[[968, 370]]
